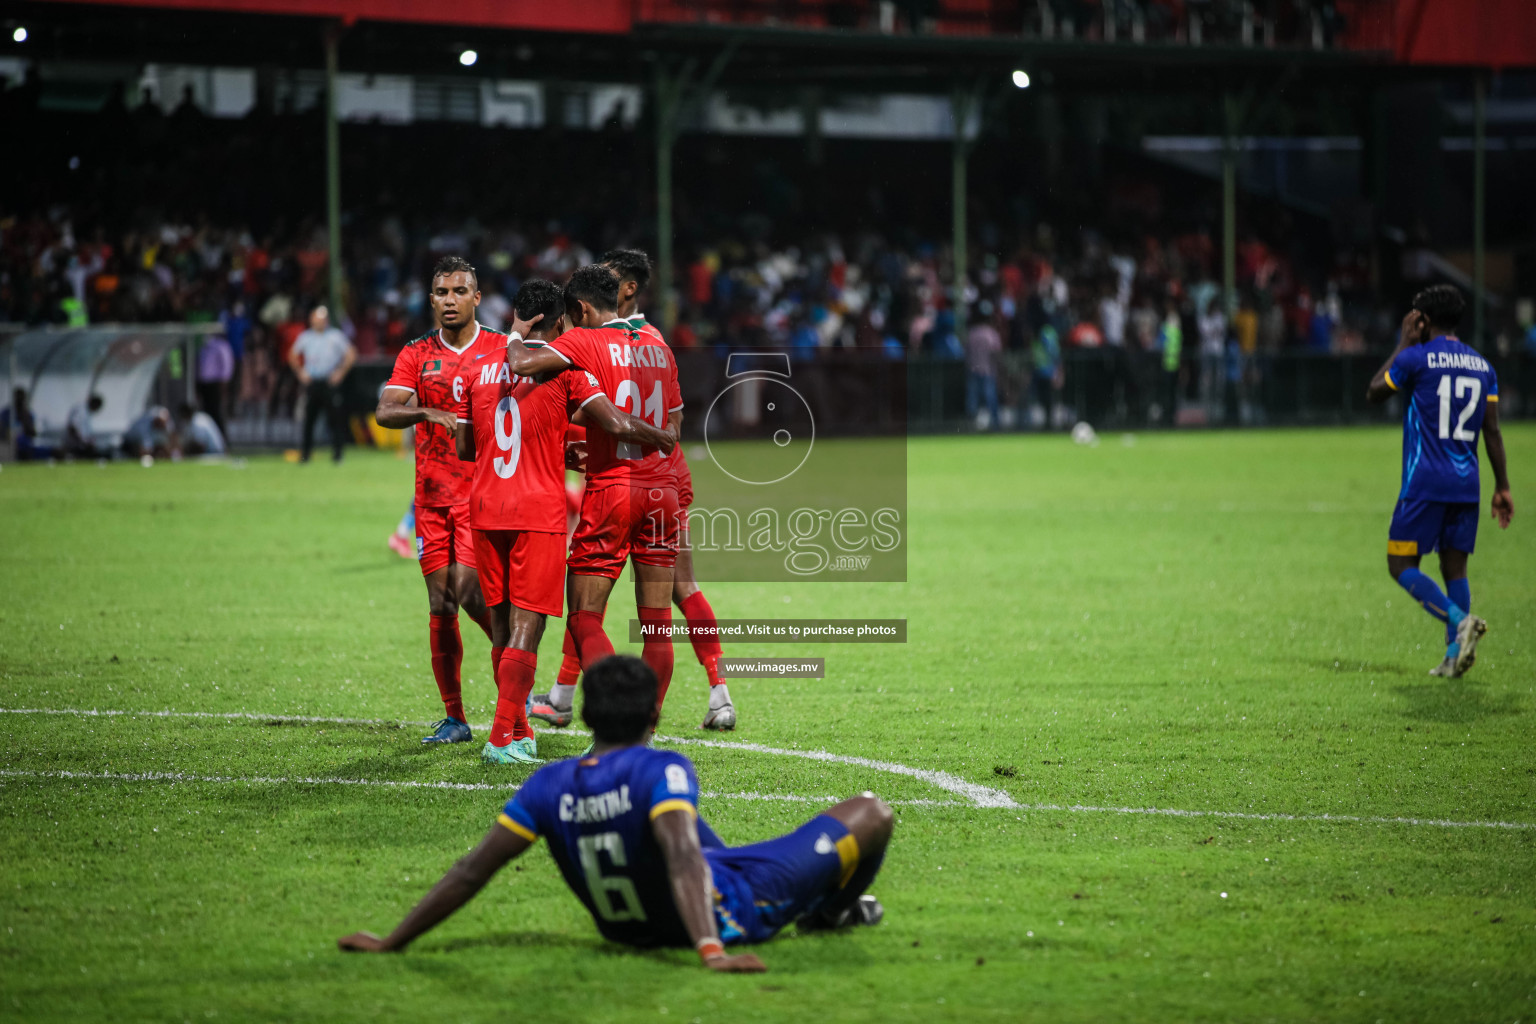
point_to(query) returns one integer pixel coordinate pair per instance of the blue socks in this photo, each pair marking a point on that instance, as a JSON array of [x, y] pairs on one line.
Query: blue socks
[[1460, 594], [1427, 594]]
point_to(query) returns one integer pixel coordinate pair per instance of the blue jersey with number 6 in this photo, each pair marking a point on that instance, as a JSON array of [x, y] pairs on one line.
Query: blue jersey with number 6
[[596, 814], [1447, 385]]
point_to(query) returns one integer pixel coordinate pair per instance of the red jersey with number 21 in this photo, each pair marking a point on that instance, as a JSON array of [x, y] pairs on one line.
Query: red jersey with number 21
[[519, 474], [638, 374], [438, 375]]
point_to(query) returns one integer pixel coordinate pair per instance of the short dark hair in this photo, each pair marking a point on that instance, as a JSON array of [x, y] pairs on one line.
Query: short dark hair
[[455, 265], [1442, 305], [184, 411], [618, 698], [629, 264], [539, 296], [594, 284]]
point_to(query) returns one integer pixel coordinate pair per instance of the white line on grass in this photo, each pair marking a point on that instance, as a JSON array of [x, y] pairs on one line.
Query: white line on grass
[[475, 787], [981, 796], [978, 796]]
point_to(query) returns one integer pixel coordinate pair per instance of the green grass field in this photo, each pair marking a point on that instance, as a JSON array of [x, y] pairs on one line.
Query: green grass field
[[1201, 623]]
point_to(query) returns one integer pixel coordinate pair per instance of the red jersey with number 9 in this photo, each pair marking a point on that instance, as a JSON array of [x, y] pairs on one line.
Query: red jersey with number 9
[[638, 374], [519, 471], [438, 376]]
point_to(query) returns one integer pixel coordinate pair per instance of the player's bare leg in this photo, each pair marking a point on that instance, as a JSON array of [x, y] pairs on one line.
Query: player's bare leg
[[447, 657], [869, 822], [466, 589], [515, 635], [587, 597], [691, 602]]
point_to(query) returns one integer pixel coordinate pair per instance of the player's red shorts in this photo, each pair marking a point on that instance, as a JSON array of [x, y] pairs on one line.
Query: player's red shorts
[[523, 567], [684, 484], [443, 537], [620, 522]]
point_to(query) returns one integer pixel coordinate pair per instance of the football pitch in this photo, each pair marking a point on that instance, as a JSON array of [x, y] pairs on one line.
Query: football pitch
[[1161, 744]]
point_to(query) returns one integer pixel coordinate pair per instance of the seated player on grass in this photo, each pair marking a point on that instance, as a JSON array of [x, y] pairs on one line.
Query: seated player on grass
[[624, 828]]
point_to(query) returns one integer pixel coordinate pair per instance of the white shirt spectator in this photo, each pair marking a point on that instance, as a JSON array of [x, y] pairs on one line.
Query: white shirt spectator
[[1213, 332], [322, 351], [202, 431], [80, 422], [148, 431], [1112, 317]]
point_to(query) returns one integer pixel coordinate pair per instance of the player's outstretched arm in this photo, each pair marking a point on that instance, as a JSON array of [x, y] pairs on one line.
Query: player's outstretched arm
[[1502, 505], [457, 887], [397, 410], [1411, 334], [692, 891], [625, 427]]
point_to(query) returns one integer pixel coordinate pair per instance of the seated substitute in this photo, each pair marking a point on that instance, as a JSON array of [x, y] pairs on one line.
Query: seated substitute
[[624, 829]]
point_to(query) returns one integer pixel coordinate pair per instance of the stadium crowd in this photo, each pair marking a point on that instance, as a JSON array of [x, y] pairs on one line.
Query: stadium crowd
[[1151, 302]]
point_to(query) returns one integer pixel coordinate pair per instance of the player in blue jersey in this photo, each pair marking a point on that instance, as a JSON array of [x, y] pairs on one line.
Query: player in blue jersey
[[624, 829], [1451, 395]]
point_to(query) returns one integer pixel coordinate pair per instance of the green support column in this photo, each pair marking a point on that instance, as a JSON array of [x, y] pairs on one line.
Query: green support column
[[1229, 206], [333, 175], [670, 89], [667, 89], [961, 103], [1479, 198]]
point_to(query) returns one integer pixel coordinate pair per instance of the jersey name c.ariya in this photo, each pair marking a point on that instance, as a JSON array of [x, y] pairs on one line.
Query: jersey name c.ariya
[[596, 814], [438, 375], [1447, 385], [637, 372], [519, 429]]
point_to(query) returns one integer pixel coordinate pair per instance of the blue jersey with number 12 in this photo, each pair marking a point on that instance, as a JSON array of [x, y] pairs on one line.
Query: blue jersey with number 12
[[1447, 385]]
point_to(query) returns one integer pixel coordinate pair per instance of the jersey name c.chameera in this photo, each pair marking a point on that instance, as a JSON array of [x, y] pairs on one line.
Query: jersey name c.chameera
[[1447, 386]]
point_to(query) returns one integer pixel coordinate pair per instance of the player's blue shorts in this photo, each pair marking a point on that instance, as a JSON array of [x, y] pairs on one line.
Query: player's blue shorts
[[765, 886], [1419, 527]]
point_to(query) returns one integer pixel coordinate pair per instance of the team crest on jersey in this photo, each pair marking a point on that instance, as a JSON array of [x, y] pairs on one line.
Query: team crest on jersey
[[429, 368]]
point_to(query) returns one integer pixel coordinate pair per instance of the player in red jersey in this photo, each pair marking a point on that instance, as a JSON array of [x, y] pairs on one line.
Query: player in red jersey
[[513, 430], [633, 269], [629, 510], [425, 390]]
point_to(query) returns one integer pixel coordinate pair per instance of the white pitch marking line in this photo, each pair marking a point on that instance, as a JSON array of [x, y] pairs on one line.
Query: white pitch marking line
[[479, 787], [981, 796], [815, 755]]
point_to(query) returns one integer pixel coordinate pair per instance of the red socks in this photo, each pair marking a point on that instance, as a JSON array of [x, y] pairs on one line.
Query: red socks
[[591, 642], [701, 619], [570, 665], [447, 657], [514, 682], [657, 652]]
